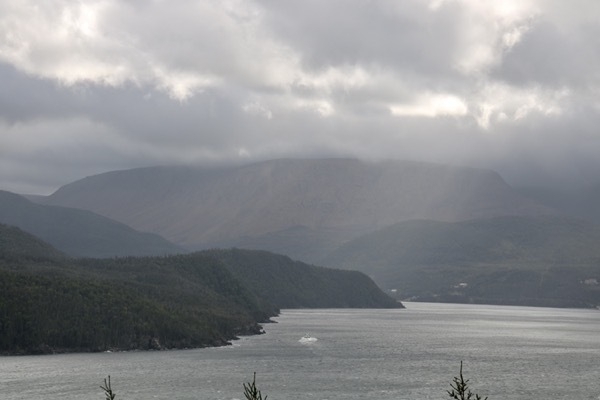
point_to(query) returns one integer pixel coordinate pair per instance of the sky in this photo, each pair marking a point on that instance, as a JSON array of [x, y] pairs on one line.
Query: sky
[[97, 85]]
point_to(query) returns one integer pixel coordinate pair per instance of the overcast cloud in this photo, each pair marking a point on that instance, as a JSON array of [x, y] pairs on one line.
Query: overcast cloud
[[91, 86]]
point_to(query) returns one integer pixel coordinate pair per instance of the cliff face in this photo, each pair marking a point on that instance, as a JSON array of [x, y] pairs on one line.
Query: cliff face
[[285, 205]]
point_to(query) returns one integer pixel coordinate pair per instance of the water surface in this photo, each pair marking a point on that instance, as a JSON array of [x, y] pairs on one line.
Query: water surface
[[508, 353]]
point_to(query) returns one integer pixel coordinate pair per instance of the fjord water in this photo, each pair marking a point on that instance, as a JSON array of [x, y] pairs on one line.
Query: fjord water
[[508, 353]]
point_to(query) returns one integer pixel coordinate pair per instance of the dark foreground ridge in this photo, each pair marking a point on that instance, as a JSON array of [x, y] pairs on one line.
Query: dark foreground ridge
[[51, 303]]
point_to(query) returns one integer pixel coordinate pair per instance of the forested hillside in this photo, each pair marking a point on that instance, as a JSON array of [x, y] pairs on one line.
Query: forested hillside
[[544, 260], [293, 284], [16, 244], [53, 304], [50, 303]]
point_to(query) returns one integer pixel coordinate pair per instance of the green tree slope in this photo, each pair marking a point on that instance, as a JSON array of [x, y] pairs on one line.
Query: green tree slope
[[293, 284], [50, 303]]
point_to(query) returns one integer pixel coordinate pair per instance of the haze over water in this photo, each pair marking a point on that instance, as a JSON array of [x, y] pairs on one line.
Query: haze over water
[[508, 353]]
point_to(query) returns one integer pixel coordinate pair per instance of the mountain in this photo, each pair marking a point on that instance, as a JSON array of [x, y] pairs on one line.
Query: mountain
[[542, 260], [50, 302], [582, 202], [303, 208], [80, 233]]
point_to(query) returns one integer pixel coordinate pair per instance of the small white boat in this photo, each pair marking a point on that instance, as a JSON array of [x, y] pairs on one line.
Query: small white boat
[[307, 339]]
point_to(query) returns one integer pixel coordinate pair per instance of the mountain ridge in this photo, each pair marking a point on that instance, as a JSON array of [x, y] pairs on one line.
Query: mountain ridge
[[80, 232], [342, 198]]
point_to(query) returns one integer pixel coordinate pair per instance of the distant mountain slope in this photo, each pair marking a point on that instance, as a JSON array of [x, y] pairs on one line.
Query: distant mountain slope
[[257, 205], [53, 303], [78, 232], [578, 202], [542, 260]]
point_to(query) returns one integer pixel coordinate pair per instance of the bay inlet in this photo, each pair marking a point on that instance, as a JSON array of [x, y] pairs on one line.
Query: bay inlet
[[508, 353]]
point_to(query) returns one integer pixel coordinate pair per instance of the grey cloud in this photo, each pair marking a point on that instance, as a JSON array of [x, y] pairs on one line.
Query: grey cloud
[[550, 56], [399, 35], [202, 83], [24, 97]]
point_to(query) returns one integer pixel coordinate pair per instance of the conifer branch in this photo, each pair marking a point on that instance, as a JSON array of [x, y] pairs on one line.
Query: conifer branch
[[251, 392], [110, 395], [460, 388]]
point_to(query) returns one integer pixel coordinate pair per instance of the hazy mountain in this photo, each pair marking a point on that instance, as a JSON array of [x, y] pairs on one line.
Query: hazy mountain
[[583, 202], [304, 208], [543, 260], [80, 232]]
